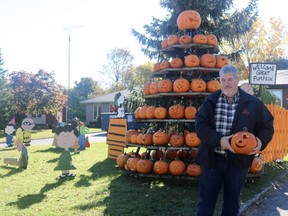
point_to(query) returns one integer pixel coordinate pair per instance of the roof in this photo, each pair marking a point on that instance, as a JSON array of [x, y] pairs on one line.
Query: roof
[[105, 98], [281, 78]]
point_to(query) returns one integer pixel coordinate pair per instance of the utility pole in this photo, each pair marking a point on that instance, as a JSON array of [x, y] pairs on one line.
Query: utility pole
[[69, 108]]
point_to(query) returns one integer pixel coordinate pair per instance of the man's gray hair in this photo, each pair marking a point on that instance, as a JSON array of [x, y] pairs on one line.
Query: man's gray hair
[[229, 69]]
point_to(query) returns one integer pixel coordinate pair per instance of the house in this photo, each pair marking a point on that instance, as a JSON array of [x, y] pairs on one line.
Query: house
[[280, 89], [100, 105]]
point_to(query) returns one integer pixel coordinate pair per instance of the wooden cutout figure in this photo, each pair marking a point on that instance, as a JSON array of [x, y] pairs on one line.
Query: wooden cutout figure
[[22, 162], [61, 124], [27, 125], [9, 130], [67, 136], [120, 107], [82, 140]]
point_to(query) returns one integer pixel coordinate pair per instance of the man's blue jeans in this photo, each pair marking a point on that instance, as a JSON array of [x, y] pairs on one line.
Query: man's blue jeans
[[211, 181]]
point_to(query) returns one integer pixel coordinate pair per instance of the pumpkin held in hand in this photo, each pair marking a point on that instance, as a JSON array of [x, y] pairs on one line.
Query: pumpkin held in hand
[[257, 165], [243, 142]]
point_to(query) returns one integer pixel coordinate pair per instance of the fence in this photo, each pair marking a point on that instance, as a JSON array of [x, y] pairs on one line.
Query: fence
[[278, 147]]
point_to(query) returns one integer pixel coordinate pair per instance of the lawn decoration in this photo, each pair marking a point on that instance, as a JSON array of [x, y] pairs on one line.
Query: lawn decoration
[[67, 136], [22, 162], [82, 139], [61, 124], [9, 130], [27, 125], [119, 103]]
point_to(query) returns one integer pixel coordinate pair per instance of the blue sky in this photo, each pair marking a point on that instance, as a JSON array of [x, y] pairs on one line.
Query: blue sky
[[34, 35]]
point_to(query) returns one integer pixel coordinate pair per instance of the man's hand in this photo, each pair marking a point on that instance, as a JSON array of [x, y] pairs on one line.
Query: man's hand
[[257, 148], [225, 144]]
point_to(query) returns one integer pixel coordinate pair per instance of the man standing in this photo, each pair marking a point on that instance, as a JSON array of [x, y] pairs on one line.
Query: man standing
[[222, 114]]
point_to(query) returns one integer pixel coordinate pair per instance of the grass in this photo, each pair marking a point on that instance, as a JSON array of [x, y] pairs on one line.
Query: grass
[[99, 189]]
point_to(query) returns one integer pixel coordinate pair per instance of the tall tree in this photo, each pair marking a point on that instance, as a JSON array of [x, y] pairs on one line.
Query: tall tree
[[6, 96], [218, 17], [36, 93], [119, 62], [83, 90]]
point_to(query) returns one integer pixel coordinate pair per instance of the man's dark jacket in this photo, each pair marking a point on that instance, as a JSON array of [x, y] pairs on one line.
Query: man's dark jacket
[[251, 113]]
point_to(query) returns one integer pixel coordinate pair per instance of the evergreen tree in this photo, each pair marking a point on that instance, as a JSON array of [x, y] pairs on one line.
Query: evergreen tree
[[6, 96], [218, 17]]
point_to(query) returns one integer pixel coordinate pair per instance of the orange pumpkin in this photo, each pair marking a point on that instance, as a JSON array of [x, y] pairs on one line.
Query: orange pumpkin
[[172, 39], [192, 60], [185, 39], [160, 167], [161, 113], [142, 112], [156, 67], [193, 170], [128, 134], [182, 154], [121, 160], [213, 85], [146, 88], [176, 63], [190, 112], [176, 140], [212, 40], [200, 39], [164, 65], [160, 138], [221, 61], [144, 166], [164, 44], [243, 142], [157, 154], [257, 165], [208, 60], [139, 138], [181, 85], [137, 113], [134, 138], [150, 112], [171, 154], [147, 139], [193, 153], [133, 164], [176, 111], [188, 19], [154, 88], [177, 167], [192, 140], [198, 85], [165, 86]]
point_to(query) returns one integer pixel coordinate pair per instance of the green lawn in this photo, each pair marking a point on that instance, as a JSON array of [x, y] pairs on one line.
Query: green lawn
[[98, 188]]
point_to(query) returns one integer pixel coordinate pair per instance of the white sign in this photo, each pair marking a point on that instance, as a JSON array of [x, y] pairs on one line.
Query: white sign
[[264, 74]]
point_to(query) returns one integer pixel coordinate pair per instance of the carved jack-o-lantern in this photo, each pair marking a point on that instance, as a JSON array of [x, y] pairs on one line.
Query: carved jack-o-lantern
[[144, 166], [181, 85], [176, 140], [161, 113], [165, 86], [190, 112], [164, 65], [176, 63], [150, 112], [208, 60], [147, 138], [188, 19], [192, 140], [192, 60], [185, 39], [257, 165], [212, 40], [221, 61], [160, 138], [146, 88], [243, 142], [200, 39], [198, 85], [172, 39], [213, 85], [156, 67], [160, 167], [177, 167], [176, 111], [193, 170], [154, 88]]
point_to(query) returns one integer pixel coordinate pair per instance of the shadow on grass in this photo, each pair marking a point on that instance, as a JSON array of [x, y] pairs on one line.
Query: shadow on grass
[[13, 170], [31, 199]]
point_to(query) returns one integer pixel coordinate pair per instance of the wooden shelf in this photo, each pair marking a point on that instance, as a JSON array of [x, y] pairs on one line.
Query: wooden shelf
[[155, 147], [176, 47], [164, 120], [179, 70], [174, 94]]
